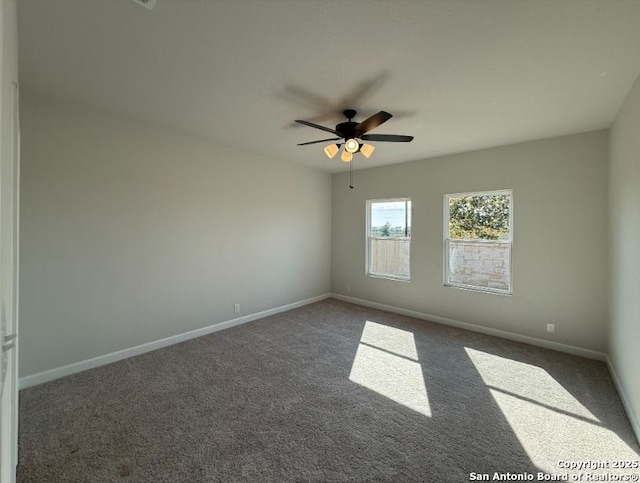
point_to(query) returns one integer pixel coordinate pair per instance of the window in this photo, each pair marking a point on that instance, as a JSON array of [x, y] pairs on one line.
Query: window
[[388, 238], [478, 238]]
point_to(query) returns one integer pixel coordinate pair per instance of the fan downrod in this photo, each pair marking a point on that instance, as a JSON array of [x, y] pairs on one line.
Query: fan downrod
[[349, 113]]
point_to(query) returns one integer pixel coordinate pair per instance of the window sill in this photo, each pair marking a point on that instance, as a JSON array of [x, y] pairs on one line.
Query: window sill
[[471, 288], [388, 277]]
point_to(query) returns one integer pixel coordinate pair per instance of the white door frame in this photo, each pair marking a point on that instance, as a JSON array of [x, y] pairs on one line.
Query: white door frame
[[9, 229]]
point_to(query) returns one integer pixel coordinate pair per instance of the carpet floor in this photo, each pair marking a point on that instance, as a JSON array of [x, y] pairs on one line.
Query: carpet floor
[[328, 392]]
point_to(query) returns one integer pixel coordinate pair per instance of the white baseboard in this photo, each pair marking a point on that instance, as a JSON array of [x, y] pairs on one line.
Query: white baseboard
[[58, 372], [625, 400], [569, 349]]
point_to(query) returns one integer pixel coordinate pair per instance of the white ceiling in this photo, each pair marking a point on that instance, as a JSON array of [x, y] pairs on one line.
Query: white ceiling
[[458, 75]]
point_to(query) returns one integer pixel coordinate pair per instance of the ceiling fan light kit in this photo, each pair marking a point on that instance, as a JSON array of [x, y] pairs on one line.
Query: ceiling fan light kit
[[332, 149], [351, 131]]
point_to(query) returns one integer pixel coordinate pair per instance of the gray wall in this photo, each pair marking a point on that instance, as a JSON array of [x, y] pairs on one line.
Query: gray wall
[[624, 202], [130, 234], [559, 229]]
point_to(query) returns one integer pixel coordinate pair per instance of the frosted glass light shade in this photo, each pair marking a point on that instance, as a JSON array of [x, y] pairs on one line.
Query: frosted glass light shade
[[331, 150], [346, 156], [367, 150]]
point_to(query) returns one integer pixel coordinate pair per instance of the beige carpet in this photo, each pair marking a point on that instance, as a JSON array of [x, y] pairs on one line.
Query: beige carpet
[[327, 392]]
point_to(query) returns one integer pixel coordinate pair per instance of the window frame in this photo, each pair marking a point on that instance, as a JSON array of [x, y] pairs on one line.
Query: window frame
[[447, 238], [368, 239]]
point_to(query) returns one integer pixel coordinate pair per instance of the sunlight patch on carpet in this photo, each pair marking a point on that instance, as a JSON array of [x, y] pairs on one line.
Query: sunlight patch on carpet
[[550, 423], [387, 362]]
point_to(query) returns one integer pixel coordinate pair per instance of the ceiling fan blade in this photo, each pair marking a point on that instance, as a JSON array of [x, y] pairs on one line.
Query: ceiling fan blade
[[372, 122], [318, 126], [393, 138], [320, 141]]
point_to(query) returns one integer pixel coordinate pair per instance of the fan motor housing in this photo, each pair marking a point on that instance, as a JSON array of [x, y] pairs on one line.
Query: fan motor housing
[[347, 129]]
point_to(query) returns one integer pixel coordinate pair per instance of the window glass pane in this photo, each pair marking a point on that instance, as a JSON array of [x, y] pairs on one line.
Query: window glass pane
[[484, 217], [391, 218], [390, 256], [389, 235], [479, 264], [478, 241]]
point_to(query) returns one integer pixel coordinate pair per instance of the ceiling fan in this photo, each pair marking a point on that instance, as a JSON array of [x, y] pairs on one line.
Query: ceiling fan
[[352, 132]]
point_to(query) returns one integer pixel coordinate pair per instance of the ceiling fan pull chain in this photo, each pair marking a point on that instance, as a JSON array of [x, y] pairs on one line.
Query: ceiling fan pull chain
[[351, 175]]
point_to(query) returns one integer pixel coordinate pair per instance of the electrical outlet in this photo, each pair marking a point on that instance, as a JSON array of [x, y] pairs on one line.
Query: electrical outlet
[[551, 328], [348, 288], [236, 309]]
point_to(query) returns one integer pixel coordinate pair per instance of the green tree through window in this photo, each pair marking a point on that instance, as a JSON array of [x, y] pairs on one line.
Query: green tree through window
[[485, 217], [386, 229]]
